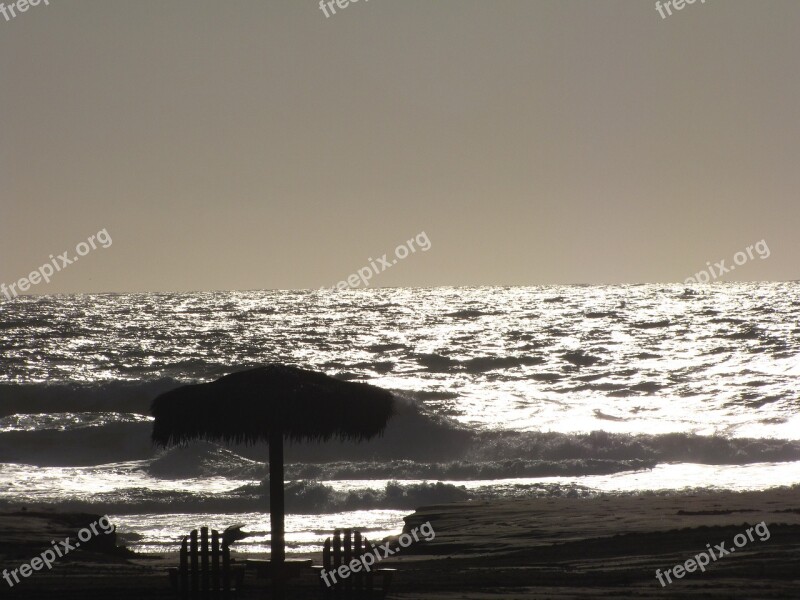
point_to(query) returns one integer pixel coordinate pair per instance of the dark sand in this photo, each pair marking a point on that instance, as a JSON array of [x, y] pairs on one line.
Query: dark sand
[[561, 548]]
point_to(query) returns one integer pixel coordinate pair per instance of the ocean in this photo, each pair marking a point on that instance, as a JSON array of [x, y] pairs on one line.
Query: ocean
[[502, 391]]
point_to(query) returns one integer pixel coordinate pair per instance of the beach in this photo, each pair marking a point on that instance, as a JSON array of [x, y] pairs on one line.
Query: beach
[[600, 547]]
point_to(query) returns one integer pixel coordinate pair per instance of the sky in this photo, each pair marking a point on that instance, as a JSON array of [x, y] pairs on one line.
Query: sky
[[258, 144]]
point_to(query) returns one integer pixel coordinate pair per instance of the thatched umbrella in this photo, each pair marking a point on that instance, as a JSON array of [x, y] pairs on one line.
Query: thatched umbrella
[[269, 404]]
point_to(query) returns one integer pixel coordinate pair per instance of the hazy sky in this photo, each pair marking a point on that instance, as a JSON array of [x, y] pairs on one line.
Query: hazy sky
[[258, 144]]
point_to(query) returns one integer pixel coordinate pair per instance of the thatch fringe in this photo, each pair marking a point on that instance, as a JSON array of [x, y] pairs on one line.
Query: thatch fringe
[[245, 407]]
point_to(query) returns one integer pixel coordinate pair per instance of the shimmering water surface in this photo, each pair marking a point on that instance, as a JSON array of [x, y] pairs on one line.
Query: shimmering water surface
[[500, 388]]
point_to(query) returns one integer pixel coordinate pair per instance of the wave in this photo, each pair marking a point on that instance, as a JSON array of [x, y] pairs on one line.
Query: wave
[[81, 446], [66, 421], [435, 362], [580, 358], [598, 314], [651, 324], [388, 347], [301, 497], [130, 439], [204, 459], [210, 460], [312, 496], [479, 364], [470, 313], [104, 434], [669, 447], [106, 396]]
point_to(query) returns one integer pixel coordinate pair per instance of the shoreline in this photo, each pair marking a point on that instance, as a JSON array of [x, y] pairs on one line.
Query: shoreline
[[606, 546]]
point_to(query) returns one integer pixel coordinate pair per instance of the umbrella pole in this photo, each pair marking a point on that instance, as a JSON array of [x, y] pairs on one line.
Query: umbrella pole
[[276, 512]]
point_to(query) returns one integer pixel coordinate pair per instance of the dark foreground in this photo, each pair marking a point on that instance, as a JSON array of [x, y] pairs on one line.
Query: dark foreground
[[538, 548]]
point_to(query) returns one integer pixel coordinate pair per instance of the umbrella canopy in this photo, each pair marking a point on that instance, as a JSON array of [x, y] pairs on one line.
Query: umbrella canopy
[[246, 407], [269, 404]]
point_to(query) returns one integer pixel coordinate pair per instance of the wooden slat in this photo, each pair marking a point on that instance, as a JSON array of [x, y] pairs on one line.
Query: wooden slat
[[358, 552], [215, 579], [226, 572], [195, 571], [183, 569], [337, 560], [326, 555], [205, 584], [370, 577], [347, 544], [346, 558], [337, 548]]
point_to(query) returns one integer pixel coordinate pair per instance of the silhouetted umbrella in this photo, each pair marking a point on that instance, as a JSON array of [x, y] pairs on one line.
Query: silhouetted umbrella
[[269, 404]]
